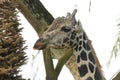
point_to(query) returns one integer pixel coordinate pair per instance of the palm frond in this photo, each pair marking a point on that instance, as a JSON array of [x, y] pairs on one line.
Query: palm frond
[[116, 47]]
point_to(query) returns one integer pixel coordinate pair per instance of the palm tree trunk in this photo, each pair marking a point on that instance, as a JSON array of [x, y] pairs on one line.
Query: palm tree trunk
[[12, 54]]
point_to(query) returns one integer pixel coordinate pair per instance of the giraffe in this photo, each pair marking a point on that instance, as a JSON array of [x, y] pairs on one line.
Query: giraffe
[[66, 32]]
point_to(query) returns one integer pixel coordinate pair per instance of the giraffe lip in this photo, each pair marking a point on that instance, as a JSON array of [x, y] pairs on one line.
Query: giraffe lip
[[39, 46]]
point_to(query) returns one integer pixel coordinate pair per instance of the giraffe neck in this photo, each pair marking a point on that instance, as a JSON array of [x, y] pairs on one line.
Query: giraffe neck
[[88, 65]]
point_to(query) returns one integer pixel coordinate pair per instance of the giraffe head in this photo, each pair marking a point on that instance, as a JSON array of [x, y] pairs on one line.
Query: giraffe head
[[66, 32], [60, 34]]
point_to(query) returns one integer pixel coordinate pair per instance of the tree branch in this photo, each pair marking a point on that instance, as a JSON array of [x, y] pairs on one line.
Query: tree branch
[[50, 72], [36, 14], [63, 59], [116, 76]]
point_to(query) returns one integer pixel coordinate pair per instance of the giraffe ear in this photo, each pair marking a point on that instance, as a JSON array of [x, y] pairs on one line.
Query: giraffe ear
[[78, 27], [72, 16], [68, 15], [74, 13]]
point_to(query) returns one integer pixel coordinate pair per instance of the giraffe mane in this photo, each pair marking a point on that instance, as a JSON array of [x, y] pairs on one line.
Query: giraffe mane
[[96, 59]]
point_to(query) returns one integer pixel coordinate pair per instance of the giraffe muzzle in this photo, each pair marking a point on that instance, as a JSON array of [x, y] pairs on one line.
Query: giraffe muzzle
[[40, 44]]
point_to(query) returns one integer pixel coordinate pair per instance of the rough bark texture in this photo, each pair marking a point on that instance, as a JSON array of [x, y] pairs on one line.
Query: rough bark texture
[[12, 54]]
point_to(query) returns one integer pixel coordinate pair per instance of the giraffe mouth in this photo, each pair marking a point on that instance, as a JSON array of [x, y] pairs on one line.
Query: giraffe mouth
[[40, 44]]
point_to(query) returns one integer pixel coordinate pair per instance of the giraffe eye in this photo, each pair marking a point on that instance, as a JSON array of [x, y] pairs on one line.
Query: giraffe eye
[[65, 29]]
